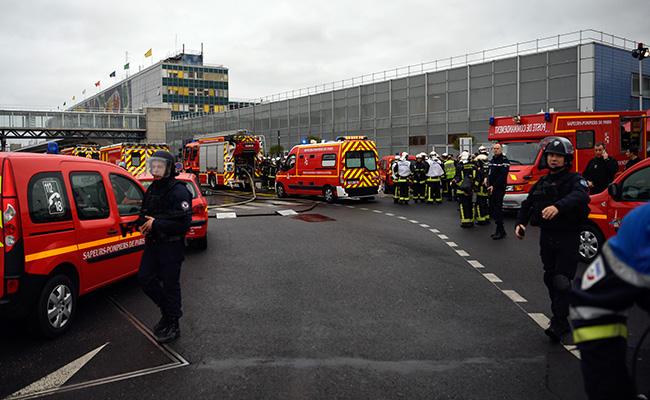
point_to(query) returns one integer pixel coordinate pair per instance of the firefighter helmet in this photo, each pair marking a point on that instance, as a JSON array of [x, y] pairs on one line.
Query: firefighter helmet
[[464, 156], [482, 149], [159, 160], [405, 155]]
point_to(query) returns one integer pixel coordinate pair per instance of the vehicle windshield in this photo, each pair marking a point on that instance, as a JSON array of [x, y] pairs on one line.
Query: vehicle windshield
[[521, 153]]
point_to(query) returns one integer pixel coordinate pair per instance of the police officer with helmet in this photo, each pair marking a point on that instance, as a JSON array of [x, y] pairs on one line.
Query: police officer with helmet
[[164, 220], [558, 204]]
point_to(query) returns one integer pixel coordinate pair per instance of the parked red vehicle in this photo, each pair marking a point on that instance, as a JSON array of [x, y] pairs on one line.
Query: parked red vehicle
[[386, 172], [64, 234], [628, 191], [199, 229]]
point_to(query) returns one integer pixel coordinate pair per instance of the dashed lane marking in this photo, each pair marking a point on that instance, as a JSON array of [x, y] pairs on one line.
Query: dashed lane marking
[[462, 253], [451, 244], [514, 296], [443, 237], [475, 264], [414, 221], [492, 278]]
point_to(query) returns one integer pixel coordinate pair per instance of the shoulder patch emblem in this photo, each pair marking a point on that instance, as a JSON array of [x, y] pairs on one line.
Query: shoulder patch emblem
[[593, 274], [185, 206], [584, 183]]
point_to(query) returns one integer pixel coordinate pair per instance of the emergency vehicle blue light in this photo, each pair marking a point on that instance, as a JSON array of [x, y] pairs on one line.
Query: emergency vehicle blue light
[[304, 141], [491, 120], [52, 148], [547, 117]]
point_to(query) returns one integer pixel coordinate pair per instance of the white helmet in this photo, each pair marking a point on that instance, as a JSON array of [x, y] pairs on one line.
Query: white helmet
[[405, 155], [464, 156], [397, 158], [433, 154], [445, 155], [482, 149]]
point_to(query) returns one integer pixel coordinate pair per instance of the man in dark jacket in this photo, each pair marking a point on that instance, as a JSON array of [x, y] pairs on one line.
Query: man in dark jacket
[[558, 204], [497, 179], [164, 220], [600, 170]]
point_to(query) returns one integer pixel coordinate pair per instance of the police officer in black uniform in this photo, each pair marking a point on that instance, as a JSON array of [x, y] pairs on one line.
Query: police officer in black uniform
[[165, 219], [497, 178], [558, 204]]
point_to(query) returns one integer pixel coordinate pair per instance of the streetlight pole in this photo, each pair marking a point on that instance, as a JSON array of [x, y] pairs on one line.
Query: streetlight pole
[[640, 52]]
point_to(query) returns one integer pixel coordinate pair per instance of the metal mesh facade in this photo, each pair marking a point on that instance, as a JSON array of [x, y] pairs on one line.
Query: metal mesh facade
[[424, 111]]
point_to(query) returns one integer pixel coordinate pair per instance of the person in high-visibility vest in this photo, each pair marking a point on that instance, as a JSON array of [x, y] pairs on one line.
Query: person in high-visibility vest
[[450, 172]]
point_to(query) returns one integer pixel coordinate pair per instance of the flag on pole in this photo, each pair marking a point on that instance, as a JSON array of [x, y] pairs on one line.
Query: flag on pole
[[97, 84], [112, 75], [148, 54], [126, 66], [73, 98], [84, 92], [64, 104]]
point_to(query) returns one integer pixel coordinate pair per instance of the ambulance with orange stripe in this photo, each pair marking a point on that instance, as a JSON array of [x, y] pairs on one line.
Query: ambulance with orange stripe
[[131, 156], [229, 158], [64, 233], [520, 136], [344, 168]]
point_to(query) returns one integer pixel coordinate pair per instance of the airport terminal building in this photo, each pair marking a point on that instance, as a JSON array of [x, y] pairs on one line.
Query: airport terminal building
[[426, 106]]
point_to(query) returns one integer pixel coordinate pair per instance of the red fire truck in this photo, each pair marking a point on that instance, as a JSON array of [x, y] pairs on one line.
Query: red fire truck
[[520, 137], [132, 156], [230, 158], [83, 150]]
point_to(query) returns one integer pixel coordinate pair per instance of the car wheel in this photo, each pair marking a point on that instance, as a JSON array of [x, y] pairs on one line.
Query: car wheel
[[591, 243], [329, 195], [213, 182], [56, 307], [279, 191]]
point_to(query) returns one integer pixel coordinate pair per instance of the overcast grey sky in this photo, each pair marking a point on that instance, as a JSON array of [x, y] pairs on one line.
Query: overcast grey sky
[[53, 50]]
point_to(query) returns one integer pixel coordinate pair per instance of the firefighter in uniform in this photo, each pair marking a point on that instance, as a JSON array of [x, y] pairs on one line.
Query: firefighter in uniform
[[393, 171], [450, 172], [273, 171], [164, 221], [403, 170], [420, 169], [613, 283], [482, 211], [466, 180], [434, 179], [497, 179], [264, 172], [558, 204]]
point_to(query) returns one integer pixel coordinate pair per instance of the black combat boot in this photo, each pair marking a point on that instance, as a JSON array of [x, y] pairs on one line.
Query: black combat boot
[[500, 233], [161, 325], [171, 332], [559, 327]]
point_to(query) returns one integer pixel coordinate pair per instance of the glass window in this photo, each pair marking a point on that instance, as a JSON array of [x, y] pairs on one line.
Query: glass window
[[135, 159], [585, 140], [128, 195], [47, 198], [636, 187], [89, 195], [521, 153], [328, 160]]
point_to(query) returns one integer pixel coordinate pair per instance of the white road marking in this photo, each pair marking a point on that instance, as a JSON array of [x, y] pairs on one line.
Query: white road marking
[[226, 215], [492, 278], [462, 253], [414, 221], [514, 296], [402, 217], [434, 231], [443, 237], [424, 225], [541, 319], [377, 211], [390, 214], [475, 264], [364, 208], [57, 378], [451, 244]]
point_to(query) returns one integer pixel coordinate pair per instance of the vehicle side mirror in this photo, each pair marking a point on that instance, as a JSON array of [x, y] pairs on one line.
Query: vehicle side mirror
[[613, 191]]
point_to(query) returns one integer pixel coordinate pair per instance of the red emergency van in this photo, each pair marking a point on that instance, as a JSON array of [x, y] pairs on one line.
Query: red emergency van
[[628, 191], [520, 137], [344, 168], [64, 233]]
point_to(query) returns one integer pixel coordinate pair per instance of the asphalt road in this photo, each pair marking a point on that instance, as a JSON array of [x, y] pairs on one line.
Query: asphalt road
[[350, 301]]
